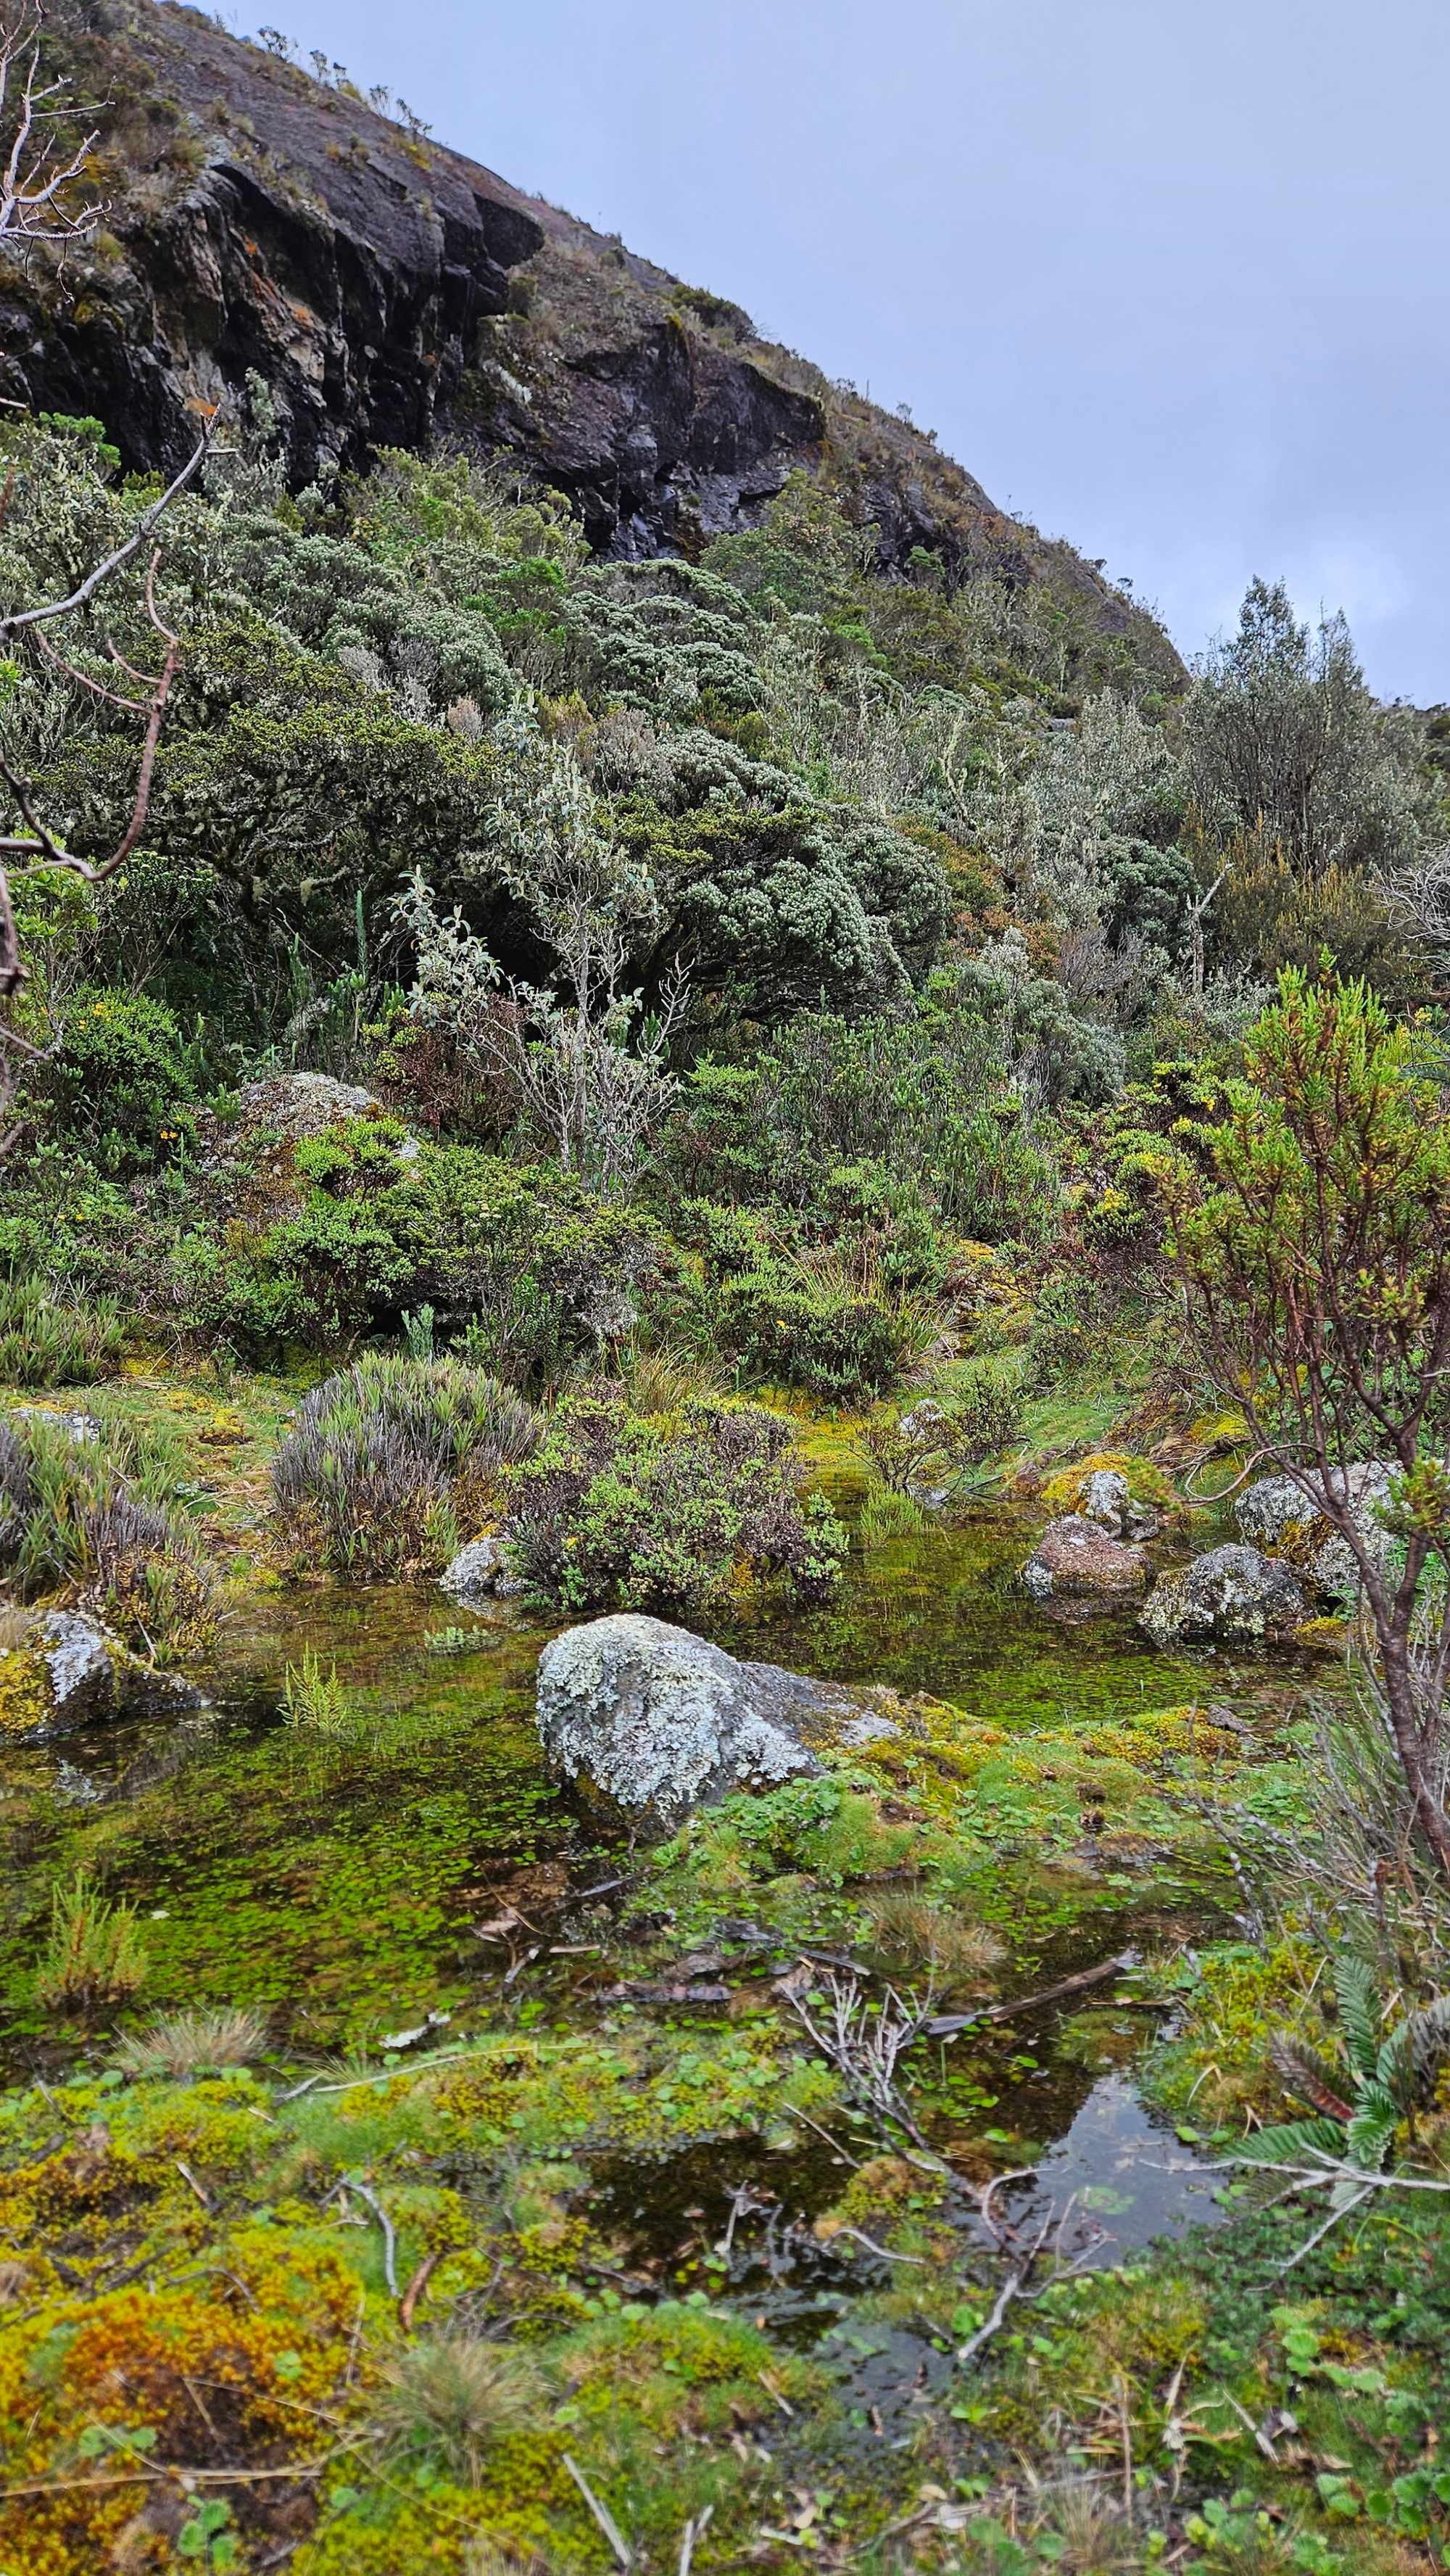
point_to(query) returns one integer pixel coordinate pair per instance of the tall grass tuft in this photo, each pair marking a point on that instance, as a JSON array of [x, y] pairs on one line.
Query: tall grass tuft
[[47, 1341], [391, 1459], [187, 2043], [452, 2400], [909, 1927], [92, 1513], [95, 1953]]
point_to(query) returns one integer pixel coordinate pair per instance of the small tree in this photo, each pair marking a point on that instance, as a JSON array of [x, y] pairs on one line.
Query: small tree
[[1314, 1263]]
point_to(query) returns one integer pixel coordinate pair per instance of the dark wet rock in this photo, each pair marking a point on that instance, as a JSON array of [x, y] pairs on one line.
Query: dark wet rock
[[1076, 1555], [390, 292], [476, 1573], [61, 1670], [661, 1721], [1275, 1513], [1234, 1593]]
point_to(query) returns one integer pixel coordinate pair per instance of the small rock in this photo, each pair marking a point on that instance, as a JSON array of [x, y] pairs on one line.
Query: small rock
[[1107, 1498], [477, 1571], [1076, 1555], [659, 1720], [1234, 1593], [82, 1429], [67, 1671]]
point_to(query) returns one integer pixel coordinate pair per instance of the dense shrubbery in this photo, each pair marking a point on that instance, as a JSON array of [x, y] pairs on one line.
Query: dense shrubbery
[[618, 1511], [394, 1458], [749, 940]]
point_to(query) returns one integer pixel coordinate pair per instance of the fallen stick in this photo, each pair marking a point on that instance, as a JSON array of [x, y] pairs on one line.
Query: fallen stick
[[945, 2023], [601, 2513]]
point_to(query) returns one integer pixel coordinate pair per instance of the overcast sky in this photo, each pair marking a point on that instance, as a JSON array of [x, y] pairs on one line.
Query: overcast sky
[[1173, 281]]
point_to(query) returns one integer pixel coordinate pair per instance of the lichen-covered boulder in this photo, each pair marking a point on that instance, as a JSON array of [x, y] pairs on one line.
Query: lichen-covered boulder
[[1276, 1513], [662, 1722], [1234, 1594], [1107, 1498], [1076, 1555], [60, 1670]]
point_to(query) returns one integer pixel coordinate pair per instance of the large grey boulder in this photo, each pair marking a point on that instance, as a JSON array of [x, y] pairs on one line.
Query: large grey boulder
[[60, 1670], [1076, 1555], [1276, 1513], [662, 1722], [1234, 1594]]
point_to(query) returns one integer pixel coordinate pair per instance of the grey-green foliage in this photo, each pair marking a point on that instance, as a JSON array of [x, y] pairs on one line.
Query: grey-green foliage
[[339, 600], [658, 636], [1362, 2102], [1057, 1049], [1285, 740]]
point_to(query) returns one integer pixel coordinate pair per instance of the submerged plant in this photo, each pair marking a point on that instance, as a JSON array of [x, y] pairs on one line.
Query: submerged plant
[[185, 2043], [453, 2399], [391, 1458], [95, 1953]]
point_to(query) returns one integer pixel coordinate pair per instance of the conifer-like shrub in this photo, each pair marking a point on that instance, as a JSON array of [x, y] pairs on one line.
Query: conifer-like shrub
[[393, 1457]]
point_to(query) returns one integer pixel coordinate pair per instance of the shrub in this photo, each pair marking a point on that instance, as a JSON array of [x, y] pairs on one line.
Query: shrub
[[91, 1512], [95, 1952], [391, 1457], [827, 1319], [122, 1069], [627, 1513], [46, 1341]]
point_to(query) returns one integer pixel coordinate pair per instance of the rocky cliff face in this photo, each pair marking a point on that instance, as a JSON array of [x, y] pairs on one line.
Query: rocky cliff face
[[389, 292]]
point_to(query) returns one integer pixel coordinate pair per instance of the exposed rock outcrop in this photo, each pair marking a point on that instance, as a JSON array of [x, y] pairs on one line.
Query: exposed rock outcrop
[[386, 291], [1276, 1513], [1234, 1594], [1107, 1498], [63, 1670], [1076, 1555], [662, 1722], [478, 1572]]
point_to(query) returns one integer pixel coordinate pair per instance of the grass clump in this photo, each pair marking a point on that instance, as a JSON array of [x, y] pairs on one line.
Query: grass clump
[[96, 1952], [188, 2043], [451, 2400], [48, 1341], [909, 1927], [615, 1511], [394, 1456]]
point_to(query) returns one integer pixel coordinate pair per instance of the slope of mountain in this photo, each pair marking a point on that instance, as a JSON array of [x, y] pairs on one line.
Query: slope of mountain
[[388, 291]]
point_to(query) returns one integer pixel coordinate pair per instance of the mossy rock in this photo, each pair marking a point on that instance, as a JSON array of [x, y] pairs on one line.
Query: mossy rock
[[1063, 1492], [60, 1670]]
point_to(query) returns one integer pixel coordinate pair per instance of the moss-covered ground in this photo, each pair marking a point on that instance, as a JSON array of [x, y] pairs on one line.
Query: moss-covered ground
[[731, 2296]]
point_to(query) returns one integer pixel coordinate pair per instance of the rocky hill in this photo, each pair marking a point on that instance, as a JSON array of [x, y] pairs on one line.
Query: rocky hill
[[262, 224]]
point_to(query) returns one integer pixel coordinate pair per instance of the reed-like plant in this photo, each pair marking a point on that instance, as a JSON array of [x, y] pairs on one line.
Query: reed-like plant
[[188, 2043], [393, 1458], [314, 1699]]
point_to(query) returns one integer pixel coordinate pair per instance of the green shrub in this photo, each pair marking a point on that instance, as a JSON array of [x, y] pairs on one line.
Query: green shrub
[[621, 1512], [391, 1459], [49, 1341], [123, 1071], [826, 1318]]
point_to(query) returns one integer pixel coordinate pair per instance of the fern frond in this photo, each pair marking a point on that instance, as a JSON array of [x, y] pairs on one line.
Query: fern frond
[[1359, 2012], [1371, 2132], [1313, 2078], [1290, 2141]]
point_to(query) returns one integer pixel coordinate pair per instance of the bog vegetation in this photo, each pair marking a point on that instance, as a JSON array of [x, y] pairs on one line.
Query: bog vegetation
[[570, 1024]]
